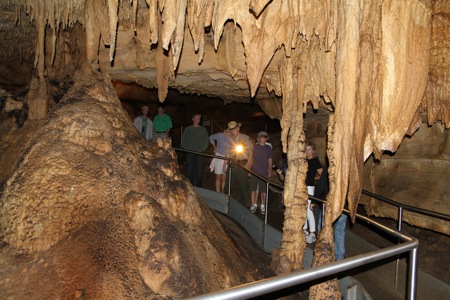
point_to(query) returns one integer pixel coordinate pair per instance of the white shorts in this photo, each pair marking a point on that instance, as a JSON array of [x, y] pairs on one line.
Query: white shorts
[[218, 166]]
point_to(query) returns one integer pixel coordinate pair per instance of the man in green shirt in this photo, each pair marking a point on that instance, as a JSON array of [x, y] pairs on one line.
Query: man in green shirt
[[195, 138], [162, 123]]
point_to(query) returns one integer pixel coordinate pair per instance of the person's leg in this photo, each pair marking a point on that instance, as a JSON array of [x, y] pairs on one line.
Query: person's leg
[[311, 237], [242, 178], [307, 222], [254, 196], [317, 210], [222, 178], [253, 186], [339, 236], [263, 202], [228, 184], [198, 169], [310, 218], [190, 167], [219, 183]]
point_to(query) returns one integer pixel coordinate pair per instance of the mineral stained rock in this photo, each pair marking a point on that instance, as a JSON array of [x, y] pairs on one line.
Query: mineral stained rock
[[96, 210]]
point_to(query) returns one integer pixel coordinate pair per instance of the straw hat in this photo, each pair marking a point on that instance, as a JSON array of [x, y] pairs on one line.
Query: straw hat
[[233, 125]]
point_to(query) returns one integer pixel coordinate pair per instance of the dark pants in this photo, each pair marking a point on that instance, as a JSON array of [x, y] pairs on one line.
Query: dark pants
[[195, 168], [317, 211], [239, 174]]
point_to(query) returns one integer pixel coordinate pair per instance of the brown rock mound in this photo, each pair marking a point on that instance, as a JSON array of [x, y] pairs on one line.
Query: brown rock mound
[[93, 210]]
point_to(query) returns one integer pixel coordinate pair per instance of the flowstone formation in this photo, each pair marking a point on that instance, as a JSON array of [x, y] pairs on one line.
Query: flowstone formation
[[98, 211]]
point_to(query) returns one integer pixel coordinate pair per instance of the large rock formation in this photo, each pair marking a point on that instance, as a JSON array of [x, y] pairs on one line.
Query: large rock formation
[[102, 212]]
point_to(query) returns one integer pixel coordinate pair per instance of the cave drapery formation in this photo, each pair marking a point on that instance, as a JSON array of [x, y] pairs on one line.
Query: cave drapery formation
[[368, 62]]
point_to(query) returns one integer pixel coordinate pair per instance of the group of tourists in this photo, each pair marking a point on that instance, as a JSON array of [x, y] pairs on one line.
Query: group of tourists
[[231, 143], [152, 130]]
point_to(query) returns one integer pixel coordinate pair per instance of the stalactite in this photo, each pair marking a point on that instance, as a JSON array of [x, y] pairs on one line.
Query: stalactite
[[54, 40], [113, 6], [199, 14], [153, 20], [135, 7], [169, 19], [178, 36]]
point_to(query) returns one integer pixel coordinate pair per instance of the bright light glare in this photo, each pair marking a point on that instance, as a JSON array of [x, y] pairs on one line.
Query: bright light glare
[[239, 148]]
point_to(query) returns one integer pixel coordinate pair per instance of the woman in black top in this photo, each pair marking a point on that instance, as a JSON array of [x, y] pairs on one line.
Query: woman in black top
[[313, 174]]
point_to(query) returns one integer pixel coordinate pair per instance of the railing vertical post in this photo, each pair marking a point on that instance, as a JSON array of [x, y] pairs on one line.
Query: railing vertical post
[[229, 178], [181, 137], [267, 204], [399, 227], [412, 274], [400, 218]]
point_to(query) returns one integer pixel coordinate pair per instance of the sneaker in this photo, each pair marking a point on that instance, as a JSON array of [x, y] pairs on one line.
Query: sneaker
[[253, 208], [310, 238], [263, 209]]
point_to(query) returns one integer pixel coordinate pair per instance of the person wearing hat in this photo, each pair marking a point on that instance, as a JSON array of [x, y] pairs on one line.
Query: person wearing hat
[[143, 124], [241, 149], [261, 165]]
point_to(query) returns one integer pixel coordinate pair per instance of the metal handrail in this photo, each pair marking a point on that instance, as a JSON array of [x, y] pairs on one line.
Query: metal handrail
[[281, 282], [408, 207], [370, 194]]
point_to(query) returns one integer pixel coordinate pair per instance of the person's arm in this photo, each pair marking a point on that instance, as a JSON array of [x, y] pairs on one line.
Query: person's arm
[[280, 174], [170, 125], [212, 141], [205, 139], [318, 173], [184, 138]]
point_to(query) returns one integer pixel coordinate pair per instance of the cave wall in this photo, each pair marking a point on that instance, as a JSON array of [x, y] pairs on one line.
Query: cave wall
[[416, 174]]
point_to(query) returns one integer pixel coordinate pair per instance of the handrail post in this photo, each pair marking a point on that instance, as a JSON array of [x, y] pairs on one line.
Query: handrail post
[[400, 218], [267, 204], [229, 178], [229, 185], [412, 286], [399, 227]]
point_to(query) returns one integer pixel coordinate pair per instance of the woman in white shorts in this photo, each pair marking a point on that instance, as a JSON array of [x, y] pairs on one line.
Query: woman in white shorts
[[220, 143]]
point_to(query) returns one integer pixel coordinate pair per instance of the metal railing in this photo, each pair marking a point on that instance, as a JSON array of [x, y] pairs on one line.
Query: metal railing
[[280, 282], [402, 207]]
